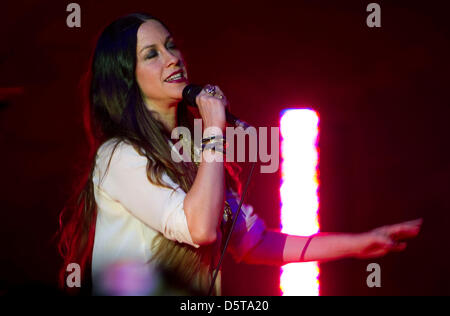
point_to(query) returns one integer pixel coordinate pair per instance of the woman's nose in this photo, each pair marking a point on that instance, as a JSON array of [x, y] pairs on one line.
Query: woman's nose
[[171, 59]]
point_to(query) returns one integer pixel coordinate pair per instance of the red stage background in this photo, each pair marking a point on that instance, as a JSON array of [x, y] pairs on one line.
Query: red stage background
[[382, 96]]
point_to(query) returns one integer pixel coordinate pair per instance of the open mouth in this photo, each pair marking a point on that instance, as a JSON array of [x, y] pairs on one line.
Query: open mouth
[[179, 76]]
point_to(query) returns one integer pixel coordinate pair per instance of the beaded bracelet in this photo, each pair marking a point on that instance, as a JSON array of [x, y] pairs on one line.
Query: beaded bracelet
[[215, 141], [216, 146], [211, 138]]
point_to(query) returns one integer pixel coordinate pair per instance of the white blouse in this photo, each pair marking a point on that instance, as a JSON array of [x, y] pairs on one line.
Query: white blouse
[[131, 211]]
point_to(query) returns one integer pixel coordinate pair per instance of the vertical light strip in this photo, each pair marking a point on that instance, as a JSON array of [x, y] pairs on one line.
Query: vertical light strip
[[299, 194]]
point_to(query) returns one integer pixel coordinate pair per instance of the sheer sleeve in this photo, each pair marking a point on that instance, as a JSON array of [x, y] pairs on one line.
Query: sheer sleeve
[[249, 229], [126, 182]]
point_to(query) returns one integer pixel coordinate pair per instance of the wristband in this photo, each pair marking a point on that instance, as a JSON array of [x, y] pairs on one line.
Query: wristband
[[211, 138], [302, 256]]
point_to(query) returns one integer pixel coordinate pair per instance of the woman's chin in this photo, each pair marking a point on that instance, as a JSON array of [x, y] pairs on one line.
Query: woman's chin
[[177, 90]]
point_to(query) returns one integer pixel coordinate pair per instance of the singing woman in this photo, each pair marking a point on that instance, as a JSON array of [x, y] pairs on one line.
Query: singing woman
[[138, 204]]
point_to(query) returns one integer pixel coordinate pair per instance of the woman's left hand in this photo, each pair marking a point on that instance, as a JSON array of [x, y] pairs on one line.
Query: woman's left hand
[[382, 240]]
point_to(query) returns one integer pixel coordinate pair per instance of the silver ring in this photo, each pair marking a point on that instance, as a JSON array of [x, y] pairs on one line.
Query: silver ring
[[210, 89]]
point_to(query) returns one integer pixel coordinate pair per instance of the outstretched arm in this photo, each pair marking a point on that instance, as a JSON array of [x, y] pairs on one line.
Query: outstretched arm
[[277, 248]]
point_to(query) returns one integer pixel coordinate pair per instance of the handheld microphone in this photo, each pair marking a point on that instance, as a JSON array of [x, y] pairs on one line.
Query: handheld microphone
[[191, 91]]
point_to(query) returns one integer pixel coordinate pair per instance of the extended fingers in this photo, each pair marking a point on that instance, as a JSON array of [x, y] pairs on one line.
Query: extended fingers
[[398, 246], [388, 238], [404, 230], [384, 244]]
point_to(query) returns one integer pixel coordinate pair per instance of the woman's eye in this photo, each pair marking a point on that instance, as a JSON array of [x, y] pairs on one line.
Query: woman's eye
[[172, 45], [151, 54]]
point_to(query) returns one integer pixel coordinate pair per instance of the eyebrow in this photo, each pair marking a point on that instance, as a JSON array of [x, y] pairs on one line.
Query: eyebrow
[[153, 45]]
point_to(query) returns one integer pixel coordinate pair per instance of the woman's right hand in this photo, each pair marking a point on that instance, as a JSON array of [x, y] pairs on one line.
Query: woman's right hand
[[203, 204], [212, 107]]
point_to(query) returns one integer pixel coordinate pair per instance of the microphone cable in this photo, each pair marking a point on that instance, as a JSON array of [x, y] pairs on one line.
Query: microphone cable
[[231, 229]]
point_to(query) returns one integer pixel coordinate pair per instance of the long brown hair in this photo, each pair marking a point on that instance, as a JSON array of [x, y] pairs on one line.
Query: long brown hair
[[115, 109]]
